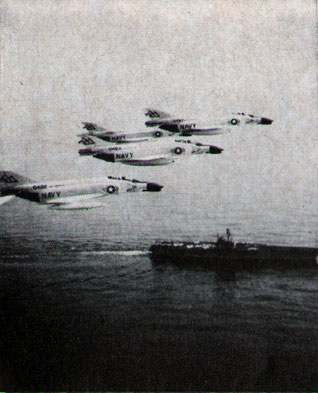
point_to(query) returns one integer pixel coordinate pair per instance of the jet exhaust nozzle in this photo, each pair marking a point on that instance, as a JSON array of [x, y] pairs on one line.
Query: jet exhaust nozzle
[[152, 123], [265, 120], [215, 150], [85, 152], [154, 187]]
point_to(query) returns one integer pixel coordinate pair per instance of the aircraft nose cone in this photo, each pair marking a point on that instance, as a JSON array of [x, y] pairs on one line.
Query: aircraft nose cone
[[215, 150], [265, 120], [154, 187]]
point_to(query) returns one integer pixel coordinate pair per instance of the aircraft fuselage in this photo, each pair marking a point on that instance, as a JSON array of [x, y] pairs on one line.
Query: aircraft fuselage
[[45, 192], [151, 153]]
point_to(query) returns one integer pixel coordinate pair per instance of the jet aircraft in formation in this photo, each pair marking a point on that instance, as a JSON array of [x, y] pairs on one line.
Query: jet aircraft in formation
[[169, 126], [69, 194], [147, 154], [184, 127], [121, 137], [113, 146], [158, 146]]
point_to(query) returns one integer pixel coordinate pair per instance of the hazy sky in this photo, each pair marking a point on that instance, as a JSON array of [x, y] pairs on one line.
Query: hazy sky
[[64, 62]]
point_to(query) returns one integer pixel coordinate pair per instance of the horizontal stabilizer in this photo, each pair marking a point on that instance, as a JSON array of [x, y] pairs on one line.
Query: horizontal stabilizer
[[6, 199]]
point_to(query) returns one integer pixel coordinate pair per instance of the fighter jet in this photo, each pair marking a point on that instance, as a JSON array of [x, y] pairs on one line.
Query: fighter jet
[[68, 194], [184, 127], [161, 152], [121, 137]]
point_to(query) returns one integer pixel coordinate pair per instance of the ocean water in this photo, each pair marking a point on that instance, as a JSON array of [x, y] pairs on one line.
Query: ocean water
[[83, 307]]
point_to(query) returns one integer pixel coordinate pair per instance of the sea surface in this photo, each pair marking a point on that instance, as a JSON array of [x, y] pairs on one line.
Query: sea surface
[[83, 307]]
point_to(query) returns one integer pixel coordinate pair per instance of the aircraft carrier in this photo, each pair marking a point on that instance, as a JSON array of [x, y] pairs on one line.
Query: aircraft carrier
[[227, 254]]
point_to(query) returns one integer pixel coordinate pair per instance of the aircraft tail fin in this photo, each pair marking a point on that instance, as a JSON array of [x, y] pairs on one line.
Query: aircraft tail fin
[[87, 140], [156, 114], [95, 129], [92, 126], [10, 179]]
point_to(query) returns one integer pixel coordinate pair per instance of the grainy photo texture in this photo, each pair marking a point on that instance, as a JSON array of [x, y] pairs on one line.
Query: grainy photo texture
[[158, 195]]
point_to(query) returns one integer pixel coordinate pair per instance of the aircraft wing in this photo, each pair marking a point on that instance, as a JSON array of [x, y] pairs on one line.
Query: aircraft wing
[[76, 202], [204, 131], [149, 161]]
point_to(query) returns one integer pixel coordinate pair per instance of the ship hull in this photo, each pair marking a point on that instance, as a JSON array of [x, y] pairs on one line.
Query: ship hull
[[239, 257]]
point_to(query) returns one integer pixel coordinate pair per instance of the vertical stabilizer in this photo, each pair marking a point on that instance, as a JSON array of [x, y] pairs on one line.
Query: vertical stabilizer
[[9, 180], [156, 114]]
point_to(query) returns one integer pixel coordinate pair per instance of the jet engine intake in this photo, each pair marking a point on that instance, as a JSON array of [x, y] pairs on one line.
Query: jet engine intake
[[178, 150]]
